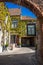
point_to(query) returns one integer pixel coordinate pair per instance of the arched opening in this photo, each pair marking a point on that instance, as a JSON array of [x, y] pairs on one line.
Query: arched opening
[[28, 4], [40, 18]]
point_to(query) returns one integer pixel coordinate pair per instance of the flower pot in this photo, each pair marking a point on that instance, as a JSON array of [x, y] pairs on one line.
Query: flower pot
[[19, 46]]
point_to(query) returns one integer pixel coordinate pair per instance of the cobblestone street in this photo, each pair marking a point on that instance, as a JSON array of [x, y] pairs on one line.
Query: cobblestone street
[[22, 56]]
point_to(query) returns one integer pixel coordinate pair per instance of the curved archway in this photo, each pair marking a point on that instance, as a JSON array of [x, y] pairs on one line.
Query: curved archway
[[28, 4], [35, 8]]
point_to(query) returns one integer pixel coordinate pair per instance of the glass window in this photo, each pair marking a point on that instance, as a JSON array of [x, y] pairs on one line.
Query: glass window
[[14, 23], [31, 29]]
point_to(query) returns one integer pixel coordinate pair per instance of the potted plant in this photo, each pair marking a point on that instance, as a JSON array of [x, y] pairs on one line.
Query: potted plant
[[20, 45], [6, 45]]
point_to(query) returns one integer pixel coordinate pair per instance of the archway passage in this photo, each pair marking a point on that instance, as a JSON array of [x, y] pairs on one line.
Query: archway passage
[[37, 8]]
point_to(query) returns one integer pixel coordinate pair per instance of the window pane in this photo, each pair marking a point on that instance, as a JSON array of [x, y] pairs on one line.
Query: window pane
[[31, 30], [14, 23]]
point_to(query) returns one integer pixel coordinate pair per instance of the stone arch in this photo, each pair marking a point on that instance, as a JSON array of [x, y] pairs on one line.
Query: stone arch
[[38, 11], [28, 4]]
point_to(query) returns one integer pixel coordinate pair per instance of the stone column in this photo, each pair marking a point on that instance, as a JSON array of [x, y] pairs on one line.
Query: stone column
[[5, 37], [40, 42], [9, 38]]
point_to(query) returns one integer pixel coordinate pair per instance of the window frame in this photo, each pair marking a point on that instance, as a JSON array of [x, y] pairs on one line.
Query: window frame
[[34, 29], [14, 21]]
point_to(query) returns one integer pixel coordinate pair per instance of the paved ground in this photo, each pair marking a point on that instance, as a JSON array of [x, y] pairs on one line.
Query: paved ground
[[21, 56]]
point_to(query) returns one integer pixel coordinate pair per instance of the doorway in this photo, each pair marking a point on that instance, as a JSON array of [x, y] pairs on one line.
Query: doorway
[[28, 41], [12, 40]]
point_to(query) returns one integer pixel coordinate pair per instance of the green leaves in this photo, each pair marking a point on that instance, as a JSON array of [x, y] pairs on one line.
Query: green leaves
[[21, 28], [3, 13]]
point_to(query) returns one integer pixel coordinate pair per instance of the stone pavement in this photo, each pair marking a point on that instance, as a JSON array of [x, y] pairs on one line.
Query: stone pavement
[[21, 56]]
